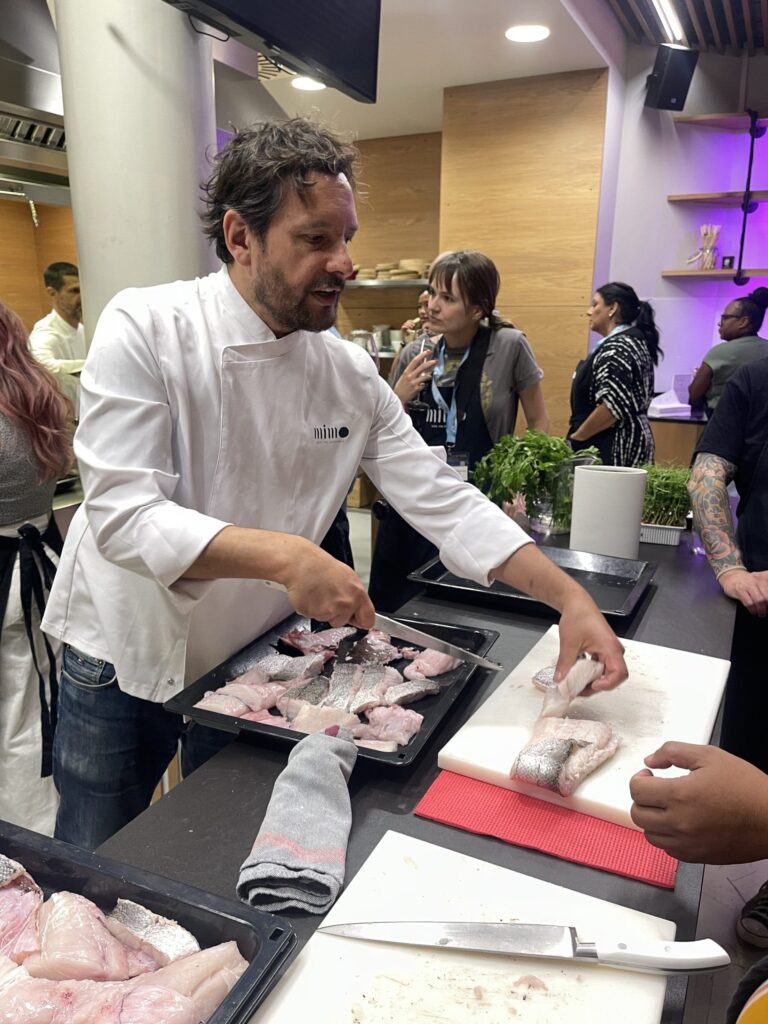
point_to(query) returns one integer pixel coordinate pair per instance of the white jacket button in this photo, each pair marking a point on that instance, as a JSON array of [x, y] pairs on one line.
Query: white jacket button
[[170, 682]]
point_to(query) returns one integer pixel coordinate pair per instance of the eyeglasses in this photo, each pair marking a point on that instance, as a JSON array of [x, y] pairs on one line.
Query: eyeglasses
[[730, 316]]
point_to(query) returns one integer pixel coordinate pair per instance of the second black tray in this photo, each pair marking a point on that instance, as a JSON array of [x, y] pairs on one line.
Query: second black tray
[[433, 708], [614, 584]]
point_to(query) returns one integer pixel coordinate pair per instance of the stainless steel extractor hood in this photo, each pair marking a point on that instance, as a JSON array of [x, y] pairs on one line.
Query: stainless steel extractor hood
[[32, 138]]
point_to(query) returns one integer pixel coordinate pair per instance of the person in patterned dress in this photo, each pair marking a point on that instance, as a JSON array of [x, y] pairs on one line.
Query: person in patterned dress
[[613, 387]]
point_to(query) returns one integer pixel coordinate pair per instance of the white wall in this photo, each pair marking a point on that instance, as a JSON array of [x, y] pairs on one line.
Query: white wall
[[659, 158]]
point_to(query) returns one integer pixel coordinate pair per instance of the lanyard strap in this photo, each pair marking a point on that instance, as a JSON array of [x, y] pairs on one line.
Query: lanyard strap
[[451, 417]]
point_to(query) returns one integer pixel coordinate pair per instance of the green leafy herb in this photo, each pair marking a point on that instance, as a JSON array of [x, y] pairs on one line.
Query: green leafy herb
[[536, 466], [667, 502]]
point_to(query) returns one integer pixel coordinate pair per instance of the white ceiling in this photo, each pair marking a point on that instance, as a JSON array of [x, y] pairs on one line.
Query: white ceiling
[[427, 45]]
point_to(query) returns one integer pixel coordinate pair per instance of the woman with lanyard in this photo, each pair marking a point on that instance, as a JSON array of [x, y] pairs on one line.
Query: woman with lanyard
[[35, 426], [462, 391], [613, 387]]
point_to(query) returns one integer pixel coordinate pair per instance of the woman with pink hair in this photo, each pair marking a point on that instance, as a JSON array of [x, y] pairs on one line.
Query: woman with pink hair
[[35, 449]]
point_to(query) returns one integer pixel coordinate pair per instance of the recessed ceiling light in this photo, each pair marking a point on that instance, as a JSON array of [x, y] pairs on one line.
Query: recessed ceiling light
[[306, 84], [527, 33]]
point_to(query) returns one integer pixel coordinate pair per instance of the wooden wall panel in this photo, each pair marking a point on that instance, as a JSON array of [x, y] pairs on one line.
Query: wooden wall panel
[[26, 250], [364, 307], [520, 180], [18, 261], [55, 240], [399, 204]]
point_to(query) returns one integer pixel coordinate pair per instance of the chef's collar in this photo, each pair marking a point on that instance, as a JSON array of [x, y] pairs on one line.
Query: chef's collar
[[258, 331]]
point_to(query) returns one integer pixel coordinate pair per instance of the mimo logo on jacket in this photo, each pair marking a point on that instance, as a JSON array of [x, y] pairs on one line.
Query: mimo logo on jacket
[[330, 434]]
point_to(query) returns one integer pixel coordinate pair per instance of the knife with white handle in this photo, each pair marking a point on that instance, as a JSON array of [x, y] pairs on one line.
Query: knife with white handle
[[415, 636], [548, 941]]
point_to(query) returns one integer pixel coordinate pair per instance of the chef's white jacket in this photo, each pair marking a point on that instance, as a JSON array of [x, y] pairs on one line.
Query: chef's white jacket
[[195, 416], [61, 349]]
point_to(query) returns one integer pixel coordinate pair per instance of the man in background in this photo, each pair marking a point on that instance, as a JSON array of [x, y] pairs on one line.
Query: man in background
[[58, 340]]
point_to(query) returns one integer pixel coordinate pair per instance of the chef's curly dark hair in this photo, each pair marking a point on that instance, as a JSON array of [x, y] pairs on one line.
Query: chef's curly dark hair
[[256, 167]]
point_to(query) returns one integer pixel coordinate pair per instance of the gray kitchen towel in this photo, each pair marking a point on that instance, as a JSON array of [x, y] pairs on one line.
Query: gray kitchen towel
[[298, 858]]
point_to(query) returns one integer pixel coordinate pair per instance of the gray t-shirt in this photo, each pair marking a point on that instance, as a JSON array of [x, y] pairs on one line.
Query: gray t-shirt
[[726, 358], [22, 496]]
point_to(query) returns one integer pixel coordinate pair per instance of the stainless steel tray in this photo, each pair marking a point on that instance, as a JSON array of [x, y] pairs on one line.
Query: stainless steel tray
[[434, 708], [615, 584]]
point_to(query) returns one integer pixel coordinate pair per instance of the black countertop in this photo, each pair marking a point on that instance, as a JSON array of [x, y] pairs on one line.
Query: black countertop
[[203, 829]]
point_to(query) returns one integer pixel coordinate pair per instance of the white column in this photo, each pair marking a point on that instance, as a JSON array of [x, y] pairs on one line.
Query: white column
[[139, 117]]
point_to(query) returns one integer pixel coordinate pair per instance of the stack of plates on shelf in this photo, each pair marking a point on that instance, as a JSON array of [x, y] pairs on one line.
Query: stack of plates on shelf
[[384, 270], [411, 269], [366, 274]]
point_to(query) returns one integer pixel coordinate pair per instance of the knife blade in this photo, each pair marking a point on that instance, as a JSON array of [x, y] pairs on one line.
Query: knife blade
[[547, 941], [415, 636]]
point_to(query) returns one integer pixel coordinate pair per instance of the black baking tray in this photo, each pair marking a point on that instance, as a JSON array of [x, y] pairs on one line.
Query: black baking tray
[[433, 708], [615, 584], [264, 940]]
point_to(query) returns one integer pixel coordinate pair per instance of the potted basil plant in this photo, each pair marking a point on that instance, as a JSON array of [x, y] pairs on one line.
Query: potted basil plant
[[666, 504], [539, 468]]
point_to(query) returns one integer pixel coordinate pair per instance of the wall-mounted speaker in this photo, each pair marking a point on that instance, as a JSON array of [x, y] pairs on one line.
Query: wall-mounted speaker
[[671, 76]]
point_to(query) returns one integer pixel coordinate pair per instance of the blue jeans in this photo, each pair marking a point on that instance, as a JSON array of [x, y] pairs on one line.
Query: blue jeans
[[110, 750]]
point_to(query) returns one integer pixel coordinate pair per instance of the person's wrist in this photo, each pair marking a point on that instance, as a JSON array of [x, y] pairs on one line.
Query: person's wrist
[[720, 573]]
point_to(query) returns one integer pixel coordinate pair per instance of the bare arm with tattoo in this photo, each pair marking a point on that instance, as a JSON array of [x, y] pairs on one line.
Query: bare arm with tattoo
[[708, 488]]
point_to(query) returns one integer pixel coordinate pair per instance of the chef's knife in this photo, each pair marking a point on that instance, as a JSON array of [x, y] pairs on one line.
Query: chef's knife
[[548, 941], [415, 636]]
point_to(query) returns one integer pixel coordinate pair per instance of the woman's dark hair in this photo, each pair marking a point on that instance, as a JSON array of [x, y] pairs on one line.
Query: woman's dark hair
[[753, 307], [256, 167], [634, 311], [30, 398], [477, 279]]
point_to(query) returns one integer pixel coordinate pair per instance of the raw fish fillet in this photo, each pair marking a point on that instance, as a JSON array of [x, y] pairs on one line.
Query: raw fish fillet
[[430, 663], [376, 681], [309, 691], [307, 642], [138, 928], [390, 723], [374, 649], [345, 682], [388, 746], [252, 677], [310, 718], [75, 943], [562, 752], [282, 667], [268, 719], [410, 690], [224, 703], [558, 699], [255, 695], [20, 902]]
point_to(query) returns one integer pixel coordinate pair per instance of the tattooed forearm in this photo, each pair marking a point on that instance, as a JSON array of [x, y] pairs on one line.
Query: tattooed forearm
[[708, 488]]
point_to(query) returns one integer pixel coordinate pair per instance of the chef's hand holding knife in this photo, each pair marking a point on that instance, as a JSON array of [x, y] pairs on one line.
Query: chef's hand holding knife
[[582, 627], [319, 586]]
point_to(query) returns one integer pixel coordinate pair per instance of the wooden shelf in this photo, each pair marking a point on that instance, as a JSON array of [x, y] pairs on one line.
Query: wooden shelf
[[725, 122], [374, 283], [715, 275], [720, 198]]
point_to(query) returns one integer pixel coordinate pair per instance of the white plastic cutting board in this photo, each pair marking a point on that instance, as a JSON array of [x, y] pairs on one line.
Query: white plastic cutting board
[[345, 981], [669, 695]]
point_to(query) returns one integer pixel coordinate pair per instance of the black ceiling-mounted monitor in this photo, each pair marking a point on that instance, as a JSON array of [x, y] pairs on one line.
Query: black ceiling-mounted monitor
[[335, 41]]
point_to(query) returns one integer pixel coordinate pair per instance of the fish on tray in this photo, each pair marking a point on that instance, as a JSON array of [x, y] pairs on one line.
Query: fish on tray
[[562, 751], [20, 901], [281, 667], [428, 663], [374, 649], [307, 642]]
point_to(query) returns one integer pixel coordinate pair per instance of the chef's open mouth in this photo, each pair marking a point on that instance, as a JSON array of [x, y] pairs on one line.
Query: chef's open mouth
[[326, 295]]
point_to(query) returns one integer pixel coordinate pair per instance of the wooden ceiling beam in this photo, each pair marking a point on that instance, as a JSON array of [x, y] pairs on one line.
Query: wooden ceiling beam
[[694, 16], [746, 11], [727, 8], [649, 35], [713, 25], [630, 30]]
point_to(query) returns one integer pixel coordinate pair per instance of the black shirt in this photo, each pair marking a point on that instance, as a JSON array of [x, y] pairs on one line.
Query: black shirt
[[738, 433]]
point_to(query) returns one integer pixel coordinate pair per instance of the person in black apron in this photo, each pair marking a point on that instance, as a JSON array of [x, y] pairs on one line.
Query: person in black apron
[[613, 387], [461, 389], [35, 424]]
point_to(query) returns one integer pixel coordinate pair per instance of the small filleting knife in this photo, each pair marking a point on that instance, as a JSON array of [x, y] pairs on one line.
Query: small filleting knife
[[547, 941], [415, 636]]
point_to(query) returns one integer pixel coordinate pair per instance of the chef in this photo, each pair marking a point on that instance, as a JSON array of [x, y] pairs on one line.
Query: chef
[[222, 425], [58, 340]]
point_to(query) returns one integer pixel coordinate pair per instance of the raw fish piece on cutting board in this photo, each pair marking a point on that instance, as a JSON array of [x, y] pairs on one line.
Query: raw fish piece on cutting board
[[669, 695], [336, 980]]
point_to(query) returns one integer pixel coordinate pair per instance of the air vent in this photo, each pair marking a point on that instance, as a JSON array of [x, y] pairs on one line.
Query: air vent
[[33, 133]]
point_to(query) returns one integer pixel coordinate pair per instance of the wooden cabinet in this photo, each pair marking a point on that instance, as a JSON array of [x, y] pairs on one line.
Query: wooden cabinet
[[676, 440]]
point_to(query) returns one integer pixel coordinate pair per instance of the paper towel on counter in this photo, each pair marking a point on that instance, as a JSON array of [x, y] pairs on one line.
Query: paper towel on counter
[[607, 510]]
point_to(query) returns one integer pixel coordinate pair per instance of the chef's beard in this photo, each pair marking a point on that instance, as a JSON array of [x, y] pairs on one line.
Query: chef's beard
[[273, 294]]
